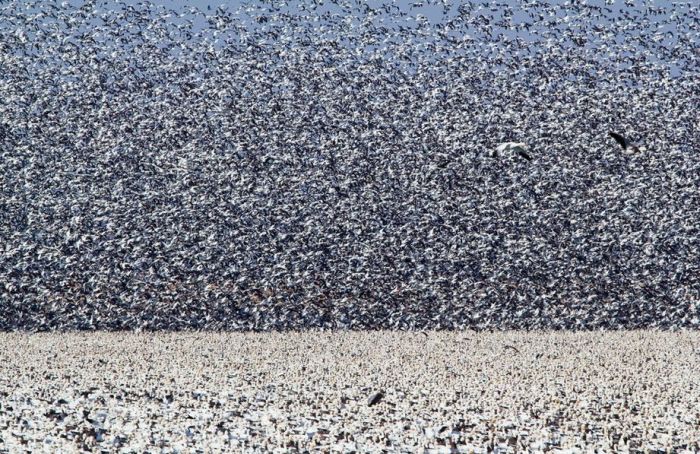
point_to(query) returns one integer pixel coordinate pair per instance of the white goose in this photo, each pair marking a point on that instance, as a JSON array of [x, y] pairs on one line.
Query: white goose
[[514, 147]]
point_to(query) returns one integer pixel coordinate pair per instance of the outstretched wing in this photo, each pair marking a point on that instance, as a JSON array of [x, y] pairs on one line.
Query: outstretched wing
[[524, 155], [502, 147], [619, 139]]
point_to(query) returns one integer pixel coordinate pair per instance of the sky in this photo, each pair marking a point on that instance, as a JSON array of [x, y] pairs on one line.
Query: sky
[[433, 11]]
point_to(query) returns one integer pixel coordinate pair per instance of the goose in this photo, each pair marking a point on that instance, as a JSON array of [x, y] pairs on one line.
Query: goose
[[626, 144], [516, 147]]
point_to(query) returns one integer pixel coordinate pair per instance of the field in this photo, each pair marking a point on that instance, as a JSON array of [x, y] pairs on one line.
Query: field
[[440, 392]]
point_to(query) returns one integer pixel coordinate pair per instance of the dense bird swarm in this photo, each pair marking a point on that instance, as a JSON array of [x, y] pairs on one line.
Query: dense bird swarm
[[296, 166], [312, 392]]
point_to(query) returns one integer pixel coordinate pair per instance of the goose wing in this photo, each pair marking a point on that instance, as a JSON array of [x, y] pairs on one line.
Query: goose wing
[[522, 153], [502, 147], [619, 139]]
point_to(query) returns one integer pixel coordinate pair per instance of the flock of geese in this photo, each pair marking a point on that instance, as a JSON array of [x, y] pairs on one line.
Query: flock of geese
[[295, 164]]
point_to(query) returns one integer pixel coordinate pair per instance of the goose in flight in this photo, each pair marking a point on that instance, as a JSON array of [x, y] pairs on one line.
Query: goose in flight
[[626, 144], [516, 147]]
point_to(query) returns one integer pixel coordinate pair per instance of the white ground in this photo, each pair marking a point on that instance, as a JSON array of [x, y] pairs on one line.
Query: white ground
[[443, 392]]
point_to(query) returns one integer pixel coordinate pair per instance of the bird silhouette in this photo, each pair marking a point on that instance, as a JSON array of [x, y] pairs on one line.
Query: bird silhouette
[[625, 143]]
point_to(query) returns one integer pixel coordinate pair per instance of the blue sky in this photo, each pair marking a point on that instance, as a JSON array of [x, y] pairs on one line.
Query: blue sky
[[433, 12]]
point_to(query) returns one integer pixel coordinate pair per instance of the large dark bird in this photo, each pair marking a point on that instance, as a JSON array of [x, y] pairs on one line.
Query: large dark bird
[[375, 398], [625, 143]]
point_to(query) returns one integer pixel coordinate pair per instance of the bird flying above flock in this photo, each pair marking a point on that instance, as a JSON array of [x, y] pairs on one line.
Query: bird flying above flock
[[625, 143], [519, 148]]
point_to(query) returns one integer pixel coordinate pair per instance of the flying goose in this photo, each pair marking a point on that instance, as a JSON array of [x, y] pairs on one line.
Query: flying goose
[[625, 143], [517, 147]]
